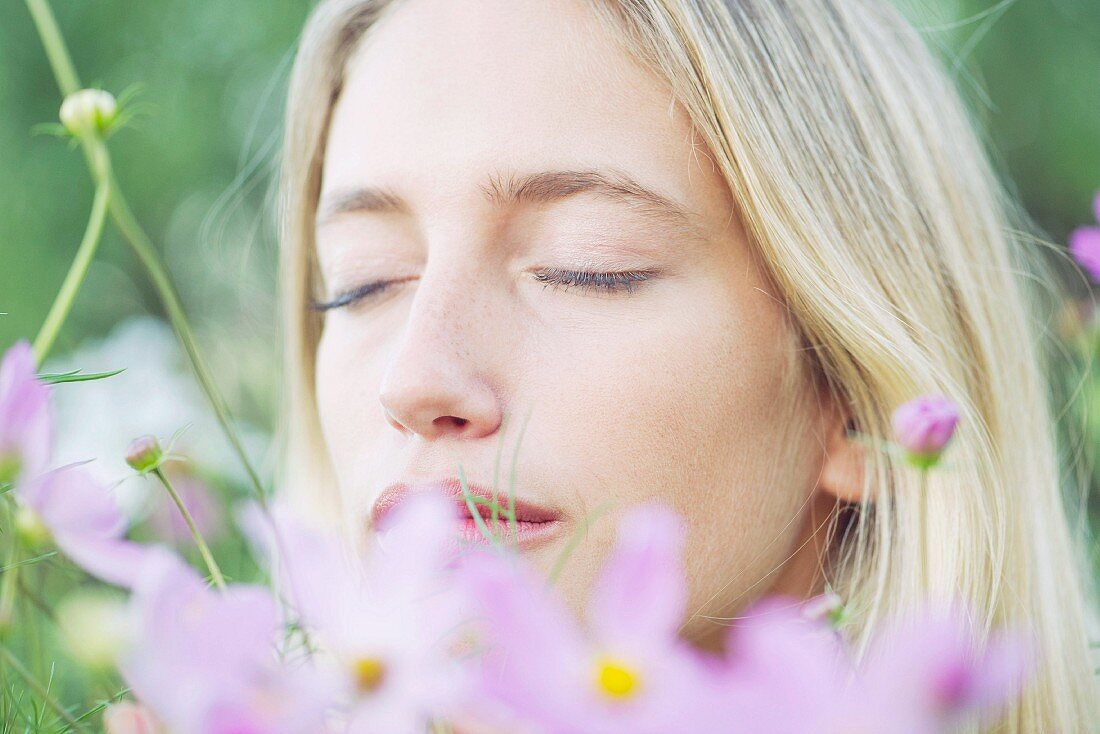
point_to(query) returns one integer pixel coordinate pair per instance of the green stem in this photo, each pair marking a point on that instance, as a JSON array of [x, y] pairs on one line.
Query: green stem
[[146, 253], [474, 513], [56, 51], [11, 572], [63, 303], [207, 556], [139, 241], [40, 689], [923, 532]]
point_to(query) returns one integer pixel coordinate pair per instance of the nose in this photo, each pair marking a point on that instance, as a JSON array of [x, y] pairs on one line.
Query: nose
[[437, 382]]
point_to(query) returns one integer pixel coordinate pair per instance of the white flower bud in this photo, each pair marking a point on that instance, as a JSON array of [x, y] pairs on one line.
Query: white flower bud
[[87, 109]]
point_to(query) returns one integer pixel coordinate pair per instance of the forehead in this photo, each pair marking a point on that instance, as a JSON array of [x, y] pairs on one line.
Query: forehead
[[443, 92]]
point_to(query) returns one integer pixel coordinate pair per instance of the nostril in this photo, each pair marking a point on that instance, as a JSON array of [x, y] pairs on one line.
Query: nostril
[[458, 422]]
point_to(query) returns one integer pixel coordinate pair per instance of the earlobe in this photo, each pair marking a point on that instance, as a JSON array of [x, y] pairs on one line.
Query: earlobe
[[842, 470]]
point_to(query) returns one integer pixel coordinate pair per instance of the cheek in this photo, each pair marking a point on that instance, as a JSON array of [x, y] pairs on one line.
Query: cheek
[[346, 385], [690, 408]]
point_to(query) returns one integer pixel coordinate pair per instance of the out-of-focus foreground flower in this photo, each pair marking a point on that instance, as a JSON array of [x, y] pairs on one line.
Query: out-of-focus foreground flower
[[85, 522], [66, 505], [26, 426], [925, 674], [204, 661], [384, 624], [629, 673]]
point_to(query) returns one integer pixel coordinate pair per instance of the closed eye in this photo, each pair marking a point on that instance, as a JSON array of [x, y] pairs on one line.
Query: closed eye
[[621, 281], [608, 282], [353, 295]]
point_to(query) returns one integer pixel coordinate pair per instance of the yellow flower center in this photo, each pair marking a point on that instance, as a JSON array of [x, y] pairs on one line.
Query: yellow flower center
[[29, 526], [615, 679], [369, 674]]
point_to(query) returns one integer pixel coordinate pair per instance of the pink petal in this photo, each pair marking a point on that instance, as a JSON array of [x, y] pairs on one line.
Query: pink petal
[[1084, 246], [117, 562], [786, 669], [641, 592], [924, 425], [71, 501], [417, 541], [26, 424], [196, 646], [311, 566], [534, 643], [930, 668]]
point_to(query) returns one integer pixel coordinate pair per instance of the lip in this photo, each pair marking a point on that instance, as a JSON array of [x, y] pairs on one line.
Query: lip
[[535, 524]]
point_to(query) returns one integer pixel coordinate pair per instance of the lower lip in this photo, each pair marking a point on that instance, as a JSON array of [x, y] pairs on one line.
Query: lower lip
[[525, 534]]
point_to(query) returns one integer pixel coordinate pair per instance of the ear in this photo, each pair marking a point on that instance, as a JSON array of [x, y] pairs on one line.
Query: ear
[[842, 470]]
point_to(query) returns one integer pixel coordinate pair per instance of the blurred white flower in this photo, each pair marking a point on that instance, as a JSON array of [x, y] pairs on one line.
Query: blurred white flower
[[156, 394]]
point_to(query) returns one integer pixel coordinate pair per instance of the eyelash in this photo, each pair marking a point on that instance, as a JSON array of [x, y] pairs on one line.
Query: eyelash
[[586, 280]]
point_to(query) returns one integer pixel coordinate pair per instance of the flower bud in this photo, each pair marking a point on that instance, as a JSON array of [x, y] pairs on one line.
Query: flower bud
[[88, 109], [145, 454], [1084, 246], [924, 426]]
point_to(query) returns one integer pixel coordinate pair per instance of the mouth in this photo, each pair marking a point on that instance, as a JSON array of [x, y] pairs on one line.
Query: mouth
[[517, 521]]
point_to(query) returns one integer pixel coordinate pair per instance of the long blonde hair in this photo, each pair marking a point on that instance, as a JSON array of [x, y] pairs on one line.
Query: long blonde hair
[[905, 266]]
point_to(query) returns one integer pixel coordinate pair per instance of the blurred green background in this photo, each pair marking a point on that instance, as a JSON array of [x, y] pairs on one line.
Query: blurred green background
[[198, 169]]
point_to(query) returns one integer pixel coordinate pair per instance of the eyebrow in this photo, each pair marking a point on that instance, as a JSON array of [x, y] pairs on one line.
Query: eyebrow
[[533, 188]]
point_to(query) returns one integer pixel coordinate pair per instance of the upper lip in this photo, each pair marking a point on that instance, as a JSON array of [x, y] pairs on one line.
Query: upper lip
[[526, 511]]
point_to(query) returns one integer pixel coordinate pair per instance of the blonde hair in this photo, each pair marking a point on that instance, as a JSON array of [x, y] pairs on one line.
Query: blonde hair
[[905, 266]]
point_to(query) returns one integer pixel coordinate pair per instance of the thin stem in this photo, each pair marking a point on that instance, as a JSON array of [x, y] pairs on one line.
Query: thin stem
[[143, 248], [56, 51], [207, 556], [924, 544], [513, 526], [11, 573], [63, 303], [40, 689], [139, 241]]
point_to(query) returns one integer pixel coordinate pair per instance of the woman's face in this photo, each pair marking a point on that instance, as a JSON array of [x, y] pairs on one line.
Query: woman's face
[[479, 151]]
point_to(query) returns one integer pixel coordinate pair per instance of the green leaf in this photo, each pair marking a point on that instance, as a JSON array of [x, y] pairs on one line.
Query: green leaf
[[50, 128], [76, 376]]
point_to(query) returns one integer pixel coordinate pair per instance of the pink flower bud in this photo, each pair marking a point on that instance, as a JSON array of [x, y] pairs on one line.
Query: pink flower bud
[[145, 454], [1084, 244], [924, 426]]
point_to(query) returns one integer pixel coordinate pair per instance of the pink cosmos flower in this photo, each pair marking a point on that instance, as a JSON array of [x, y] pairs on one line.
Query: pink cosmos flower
[[924, 426], [26, 424], [789, 674], [1084, 244], [203, 661], [85, 522], [384, 624], [629, 672]]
